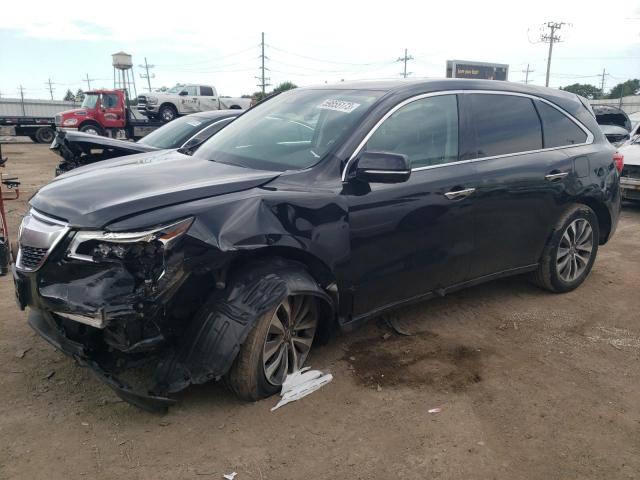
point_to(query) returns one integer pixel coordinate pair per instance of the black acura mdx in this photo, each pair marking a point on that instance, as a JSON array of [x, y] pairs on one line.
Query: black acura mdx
[[321, 207]]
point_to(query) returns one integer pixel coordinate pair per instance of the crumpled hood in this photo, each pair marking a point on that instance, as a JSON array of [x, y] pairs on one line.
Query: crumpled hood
[[85, 140], [96, 195]]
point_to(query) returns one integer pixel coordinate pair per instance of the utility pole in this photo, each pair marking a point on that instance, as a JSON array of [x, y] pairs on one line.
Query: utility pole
[[88, 80], [146, 66], [604, 73], [51, 89], [527, 72], [405, 59], [263, 80], [22, 100], [551, 38]]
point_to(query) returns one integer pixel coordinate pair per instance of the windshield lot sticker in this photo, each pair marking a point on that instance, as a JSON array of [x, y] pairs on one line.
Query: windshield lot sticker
[[194, 123], [343, 106]]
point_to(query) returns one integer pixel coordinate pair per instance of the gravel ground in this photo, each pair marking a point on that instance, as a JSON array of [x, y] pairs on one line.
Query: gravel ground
[[530, 385]]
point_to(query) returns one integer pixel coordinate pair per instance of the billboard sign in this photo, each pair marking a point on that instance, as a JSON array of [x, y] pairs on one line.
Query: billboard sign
[[479, 70]]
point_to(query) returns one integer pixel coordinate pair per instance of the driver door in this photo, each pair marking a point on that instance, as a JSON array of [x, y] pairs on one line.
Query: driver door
[[111, 111], [190, 102]]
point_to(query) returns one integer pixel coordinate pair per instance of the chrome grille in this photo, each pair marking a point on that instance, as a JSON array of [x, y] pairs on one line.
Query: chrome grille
[[142, 103], [57, 120], [39, 235], [32, 257]]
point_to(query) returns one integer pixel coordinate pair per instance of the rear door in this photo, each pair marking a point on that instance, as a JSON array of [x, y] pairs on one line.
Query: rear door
[[525, 176], [413, 237], [207, 99]]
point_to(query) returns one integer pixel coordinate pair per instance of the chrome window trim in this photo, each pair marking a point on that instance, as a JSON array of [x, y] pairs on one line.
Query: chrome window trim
[[207, 128], [46, 219], [588, 141]]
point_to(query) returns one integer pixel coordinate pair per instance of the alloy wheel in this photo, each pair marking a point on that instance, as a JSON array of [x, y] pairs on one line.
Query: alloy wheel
[[289, 337], [574, 250], [167, 115]]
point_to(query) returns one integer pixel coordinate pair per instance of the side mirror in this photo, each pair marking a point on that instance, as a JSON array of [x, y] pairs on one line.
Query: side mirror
[[183, 93], [383, 167]]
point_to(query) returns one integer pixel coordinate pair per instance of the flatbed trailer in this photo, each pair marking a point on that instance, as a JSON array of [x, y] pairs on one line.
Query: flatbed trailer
[[39, 129]]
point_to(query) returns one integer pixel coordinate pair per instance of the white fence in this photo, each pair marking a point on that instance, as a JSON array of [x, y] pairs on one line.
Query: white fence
[[14, 107]]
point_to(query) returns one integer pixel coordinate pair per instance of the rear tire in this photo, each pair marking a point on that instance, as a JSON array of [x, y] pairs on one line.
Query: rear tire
[[278, 344], [44, 135], [570, 252]]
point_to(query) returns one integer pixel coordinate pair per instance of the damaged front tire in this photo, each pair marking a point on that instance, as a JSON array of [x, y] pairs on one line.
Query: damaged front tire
[[278, 345]]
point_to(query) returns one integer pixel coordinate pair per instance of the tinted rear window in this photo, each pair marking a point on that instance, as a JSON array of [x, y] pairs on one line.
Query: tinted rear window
[[505, 124], [558, 129]]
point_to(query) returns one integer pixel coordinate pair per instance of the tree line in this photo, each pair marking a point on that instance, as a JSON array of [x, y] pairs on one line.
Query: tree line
[[591, 92]]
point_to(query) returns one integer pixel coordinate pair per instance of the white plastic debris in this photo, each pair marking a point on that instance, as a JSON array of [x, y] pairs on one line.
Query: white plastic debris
[[300, 384], [435, 410], [230, 476]]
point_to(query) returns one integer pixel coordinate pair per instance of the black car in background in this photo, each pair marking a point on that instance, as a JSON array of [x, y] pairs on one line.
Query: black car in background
[[78, 148], [321, 207]]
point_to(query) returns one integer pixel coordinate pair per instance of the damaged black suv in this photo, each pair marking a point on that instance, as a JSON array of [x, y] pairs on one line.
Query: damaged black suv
[[321, 207]]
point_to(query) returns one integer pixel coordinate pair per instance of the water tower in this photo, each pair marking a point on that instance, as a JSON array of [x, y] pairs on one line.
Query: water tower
[[123, 77]]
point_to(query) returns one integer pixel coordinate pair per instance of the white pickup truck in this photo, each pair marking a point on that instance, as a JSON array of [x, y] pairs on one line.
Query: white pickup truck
[[186, 99]]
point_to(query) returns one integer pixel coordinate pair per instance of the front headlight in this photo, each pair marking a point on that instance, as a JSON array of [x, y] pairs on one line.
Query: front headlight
[[152, 100], [70, 121], [142, 251]]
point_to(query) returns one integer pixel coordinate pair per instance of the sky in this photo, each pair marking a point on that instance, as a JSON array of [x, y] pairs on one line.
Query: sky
[[218, 43]]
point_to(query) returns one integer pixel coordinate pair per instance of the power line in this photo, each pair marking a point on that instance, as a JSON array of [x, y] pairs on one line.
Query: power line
[[146, 66], [405, 59], [208, 60], [263, 80], [551, 38], [321, 60]]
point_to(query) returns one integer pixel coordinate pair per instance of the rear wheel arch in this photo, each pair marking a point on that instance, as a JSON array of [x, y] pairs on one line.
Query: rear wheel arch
[[603, 215]]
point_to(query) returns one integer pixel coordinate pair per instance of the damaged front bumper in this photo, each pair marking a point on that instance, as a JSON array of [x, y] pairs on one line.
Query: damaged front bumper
[[44, 325], [112, 316]]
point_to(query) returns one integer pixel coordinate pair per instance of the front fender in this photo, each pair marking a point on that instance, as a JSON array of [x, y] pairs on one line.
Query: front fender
[[212, 341]]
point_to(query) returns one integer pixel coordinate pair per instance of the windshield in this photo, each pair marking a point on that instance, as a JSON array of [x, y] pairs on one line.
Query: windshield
[[176, 89], [175, 133], [291, 131], [90, 100]]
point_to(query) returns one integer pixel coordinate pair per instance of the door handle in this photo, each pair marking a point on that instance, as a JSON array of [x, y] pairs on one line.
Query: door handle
[[556, 176], [458, 194]]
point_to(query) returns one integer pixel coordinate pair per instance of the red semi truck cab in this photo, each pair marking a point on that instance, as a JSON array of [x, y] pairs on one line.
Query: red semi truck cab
[[105, 112], [101, 110]]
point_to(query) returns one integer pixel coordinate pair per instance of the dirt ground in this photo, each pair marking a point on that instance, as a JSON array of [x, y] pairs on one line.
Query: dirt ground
[[531, 385]]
